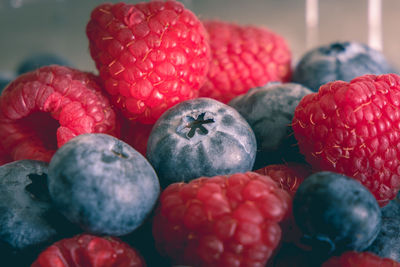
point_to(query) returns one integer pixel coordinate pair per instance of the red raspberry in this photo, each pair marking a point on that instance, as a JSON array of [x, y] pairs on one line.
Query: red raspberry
[[289, 176], [360, 259], [89, 251], [136, 135], [151, 56], [43, 109], [353, 128], [220, 221], [243, 57]]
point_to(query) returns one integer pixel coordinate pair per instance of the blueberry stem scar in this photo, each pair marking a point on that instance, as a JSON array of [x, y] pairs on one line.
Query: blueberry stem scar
[[194, 124]]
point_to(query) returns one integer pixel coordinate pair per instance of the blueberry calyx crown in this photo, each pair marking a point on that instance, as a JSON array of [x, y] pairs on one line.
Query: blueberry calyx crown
[[192, 124]]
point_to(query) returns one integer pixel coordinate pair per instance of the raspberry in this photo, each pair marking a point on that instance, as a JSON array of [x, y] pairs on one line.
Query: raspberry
[[289, 176], [353, 128], [89, 251], [243, 57], [362, 259], [136, 135], [150, 55], [43, 109], [220, 221]]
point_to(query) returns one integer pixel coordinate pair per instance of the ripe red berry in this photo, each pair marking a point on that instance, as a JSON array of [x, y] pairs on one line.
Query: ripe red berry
[[89, 251], [243, 57], [43, 109], [360, 259], [136, 135], [150, 55], [289, 176], [353, 128], [221, 221]]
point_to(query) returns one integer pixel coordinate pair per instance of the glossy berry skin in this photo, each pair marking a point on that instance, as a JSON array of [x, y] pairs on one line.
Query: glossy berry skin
[[243, 57], [200, 137], [150, 56], [339, 61], [353, 128], [336, 212], [387, 243], [354, 259], [269, 111], [36, 61], [24, 202], [89, 251], [41, 110], [220, 221], [103, 185]]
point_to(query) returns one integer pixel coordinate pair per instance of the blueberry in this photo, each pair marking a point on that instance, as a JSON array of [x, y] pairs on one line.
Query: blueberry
[[102, 184], [24, 204], [269, 111], [387, 243], [36, 61], [336, 213], [339, 61], [200, 137]]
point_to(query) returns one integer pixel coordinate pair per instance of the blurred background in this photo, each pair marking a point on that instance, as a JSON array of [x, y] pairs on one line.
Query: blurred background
[[58, 26]]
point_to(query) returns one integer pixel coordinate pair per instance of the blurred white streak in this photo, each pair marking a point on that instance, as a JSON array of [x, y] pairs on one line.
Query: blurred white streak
[[375, 24], [312, 18]]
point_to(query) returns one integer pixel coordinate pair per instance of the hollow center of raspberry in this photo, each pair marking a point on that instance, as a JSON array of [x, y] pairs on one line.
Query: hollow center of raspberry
[[196, 125], [44, 127], [38, 187]]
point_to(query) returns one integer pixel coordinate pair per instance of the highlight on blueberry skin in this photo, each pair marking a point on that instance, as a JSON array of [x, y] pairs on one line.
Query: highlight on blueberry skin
[[200, 137], [102, 184], [269, 110], [339, 61], [336, 213], [24, 203]]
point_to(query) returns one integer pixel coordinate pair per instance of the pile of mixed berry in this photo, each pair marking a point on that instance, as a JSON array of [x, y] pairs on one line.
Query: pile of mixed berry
[[197, 144]]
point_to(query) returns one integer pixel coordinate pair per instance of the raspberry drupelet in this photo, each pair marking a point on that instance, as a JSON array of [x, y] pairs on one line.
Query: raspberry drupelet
[[43, 109], [221, 221]]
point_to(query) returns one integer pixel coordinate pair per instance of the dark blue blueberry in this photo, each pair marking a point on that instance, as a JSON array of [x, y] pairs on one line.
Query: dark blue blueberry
[[339, 61], [387, 243], [36, 61], [336, 213], [24, 204], [102, 184], [200, 137], [269, 111], [5, 79]]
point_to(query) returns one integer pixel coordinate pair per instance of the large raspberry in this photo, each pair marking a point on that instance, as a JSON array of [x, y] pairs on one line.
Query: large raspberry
[[89, 251], [150, 55], [221, 221], [43, 109], [353, 128], [243, 57], [360, 259]]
